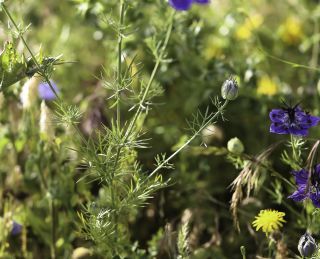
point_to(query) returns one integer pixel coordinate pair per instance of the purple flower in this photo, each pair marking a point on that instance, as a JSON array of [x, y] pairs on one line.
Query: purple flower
[[45, 91], [182, 5], [292, 120], [304, 191], [16, 228]]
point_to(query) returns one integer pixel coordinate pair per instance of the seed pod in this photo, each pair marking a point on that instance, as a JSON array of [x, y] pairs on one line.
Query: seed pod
[[229, 89], [307, 245], [235, 146]]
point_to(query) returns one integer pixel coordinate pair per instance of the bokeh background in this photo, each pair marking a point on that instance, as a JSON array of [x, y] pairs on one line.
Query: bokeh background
[[271, 47]]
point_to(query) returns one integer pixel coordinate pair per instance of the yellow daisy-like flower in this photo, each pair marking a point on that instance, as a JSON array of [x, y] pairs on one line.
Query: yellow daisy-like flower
[[291, 31], [266, 86], [244, 31], [269, 220]]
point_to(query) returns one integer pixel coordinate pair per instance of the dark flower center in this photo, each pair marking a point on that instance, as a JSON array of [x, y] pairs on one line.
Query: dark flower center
[[291, 114]]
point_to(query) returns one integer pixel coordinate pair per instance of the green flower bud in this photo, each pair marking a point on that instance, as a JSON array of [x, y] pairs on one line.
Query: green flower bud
[[81, 253], [307, 245], [235, 146], [229, 89]]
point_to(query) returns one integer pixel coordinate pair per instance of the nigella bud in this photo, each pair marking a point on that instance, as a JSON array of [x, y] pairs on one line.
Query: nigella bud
[[235, 146], [28, 94], [307, 245], [46, 125], [229, 89], [81, 253]]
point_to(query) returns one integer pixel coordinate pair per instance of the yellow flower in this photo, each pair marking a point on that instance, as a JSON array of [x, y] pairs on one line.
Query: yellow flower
[[291, 31], [244, 31], [269, 220], [267, 86]]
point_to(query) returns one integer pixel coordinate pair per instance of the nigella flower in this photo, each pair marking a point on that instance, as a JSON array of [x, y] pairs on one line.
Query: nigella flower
[[292, 120], [16, 228], [45, 91], [182, 5], [307, 191]]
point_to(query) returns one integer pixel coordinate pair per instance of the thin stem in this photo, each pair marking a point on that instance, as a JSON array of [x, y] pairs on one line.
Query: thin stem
[[139, 110], [53, 228], [214, 116], [120, 38], [154, 72]]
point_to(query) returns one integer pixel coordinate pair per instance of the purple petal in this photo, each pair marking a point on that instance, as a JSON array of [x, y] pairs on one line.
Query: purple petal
[[16, 228], [180, 5], [298, 131], [317, 170], [201, 1], [278, 115], [301, 177], [310, 121], [279, 128], [300, 194], [315, 197], [45, 91]]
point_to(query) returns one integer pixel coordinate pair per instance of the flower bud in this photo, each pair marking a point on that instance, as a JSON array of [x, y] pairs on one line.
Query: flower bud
[[212, 133], [229, 89], [29, 91], [81, 253], [307, 245], [235, 146], [46, 126]]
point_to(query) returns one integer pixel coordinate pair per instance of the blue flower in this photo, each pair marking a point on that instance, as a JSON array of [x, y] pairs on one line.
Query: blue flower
[[182, 5], [45, 91], [292, 120], [16, 228], [307, 191]]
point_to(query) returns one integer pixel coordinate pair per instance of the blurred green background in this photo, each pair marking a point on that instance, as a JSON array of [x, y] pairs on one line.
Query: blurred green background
[[253, 40]]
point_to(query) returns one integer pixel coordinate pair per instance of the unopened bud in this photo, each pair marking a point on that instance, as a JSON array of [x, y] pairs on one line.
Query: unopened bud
[[229, 89], [46, 126], [235, 146], [81, 253], [307, 245]]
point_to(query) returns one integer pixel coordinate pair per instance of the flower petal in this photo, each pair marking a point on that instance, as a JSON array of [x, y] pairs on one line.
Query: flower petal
[[315, 197], [201, 1], [301, 176], [278, 115], [45, 92], [298, 131], [180, 5], [279, 128], [300, 194]]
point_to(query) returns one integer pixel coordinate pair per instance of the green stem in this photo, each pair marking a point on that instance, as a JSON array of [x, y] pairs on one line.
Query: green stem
[[53, 228], [154, 72], [120, 38], [213, 117]]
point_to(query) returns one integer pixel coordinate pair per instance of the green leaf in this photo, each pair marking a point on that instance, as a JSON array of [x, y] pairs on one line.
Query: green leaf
[[12, 66]]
